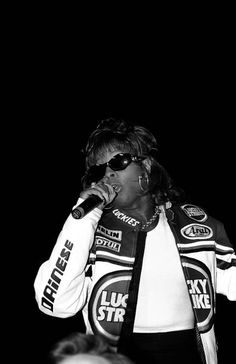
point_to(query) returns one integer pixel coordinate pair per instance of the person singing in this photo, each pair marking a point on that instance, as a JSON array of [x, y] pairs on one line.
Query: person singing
[[144, 265]]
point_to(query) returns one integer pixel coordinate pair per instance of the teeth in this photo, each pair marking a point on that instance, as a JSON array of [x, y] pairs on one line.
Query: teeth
[[116, 188]]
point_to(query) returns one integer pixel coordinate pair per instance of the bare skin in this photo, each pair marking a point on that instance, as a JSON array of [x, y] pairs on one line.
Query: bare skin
[[122, 187]]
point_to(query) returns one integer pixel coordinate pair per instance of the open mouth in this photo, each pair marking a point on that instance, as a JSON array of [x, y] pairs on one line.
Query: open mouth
[[116, 188]]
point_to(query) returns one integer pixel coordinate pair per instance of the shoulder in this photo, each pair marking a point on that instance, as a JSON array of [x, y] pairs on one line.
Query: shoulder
[[192, 211], [196, 213], [194, 220]]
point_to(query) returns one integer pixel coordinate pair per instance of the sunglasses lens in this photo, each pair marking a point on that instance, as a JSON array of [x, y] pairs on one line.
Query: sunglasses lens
[[120, 161], [117, 163]]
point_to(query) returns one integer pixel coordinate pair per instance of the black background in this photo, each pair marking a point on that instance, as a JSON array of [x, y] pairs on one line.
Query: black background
[[62, 81]]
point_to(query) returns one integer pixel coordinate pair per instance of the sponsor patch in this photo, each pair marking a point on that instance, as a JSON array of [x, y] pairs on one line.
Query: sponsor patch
[[196, 231], [201, 292], [53, 284], [194, 212], [106, 243], [125, 218], [108, 303], [114, 234]]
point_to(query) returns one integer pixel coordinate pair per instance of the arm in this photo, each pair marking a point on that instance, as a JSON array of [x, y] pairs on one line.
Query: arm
[[60, 285], [226, 265]]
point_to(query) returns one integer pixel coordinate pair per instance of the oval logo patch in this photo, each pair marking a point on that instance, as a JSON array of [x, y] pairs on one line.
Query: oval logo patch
[[201, 292], [194, 212], [196, 231], [108, 303]]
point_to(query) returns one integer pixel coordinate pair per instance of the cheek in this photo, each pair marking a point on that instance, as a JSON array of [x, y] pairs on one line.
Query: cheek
[[130, 185], [130, 177], [129, 194]]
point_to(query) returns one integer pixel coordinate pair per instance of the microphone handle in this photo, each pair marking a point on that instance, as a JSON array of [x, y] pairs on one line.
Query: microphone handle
[[86, 206]]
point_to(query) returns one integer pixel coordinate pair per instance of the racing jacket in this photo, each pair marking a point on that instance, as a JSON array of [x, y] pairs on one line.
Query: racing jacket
[[91, 269]]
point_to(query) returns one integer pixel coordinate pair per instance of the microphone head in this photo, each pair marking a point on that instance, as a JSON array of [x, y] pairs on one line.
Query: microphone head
[[78, 213], [86, 206]]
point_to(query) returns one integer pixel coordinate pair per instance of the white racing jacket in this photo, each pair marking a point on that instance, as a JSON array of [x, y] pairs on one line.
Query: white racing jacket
[[91, 266]]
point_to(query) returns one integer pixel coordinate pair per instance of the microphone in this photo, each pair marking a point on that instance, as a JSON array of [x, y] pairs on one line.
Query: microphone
[[86, 206]]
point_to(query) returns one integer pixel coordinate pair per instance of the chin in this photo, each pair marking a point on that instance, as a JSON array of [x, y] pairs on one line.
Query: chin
[[122, 202]]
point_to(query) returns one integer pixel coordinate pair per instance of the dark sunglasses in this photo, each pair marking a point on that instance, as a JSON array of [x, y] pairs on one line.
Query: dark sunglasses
[[117, 163]]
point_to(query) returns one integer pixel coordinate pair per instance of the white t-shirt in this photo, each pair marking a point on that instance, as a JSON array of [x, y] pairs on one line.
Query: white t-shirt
[[163, 299]]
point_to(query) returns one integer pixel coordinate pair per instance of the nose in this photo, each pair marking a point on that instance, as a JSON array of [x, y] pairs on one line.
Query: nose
[[109, 172]]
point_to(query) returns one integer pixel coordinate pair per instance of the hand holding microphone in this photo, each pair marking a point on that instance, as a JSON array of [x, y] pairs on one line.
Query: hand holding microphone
[[98, 195]]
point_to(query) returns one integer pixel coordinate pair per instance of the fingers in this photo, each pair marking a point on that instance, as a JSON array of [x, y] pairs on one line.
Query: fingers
[[105, 190], [102, 189]]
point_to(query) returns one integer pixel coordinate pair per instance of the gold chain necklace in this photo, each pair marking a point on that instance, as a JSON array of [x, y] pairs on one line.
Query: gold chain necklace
[[152, 219]]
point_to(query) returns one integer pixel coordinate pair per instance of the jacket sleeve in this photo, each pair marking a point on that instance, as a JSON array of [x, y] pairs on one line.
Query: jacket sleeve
[[226, 265], [61, 285]]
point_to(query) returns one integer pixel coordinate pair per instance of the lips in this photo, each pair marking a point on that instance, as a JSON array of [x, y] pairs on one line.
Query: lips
[[116, 187]]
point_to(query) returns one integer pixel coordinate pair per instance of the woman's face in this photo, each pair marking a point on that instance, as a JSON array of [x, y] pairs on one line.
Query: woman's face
[[125, 182]]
